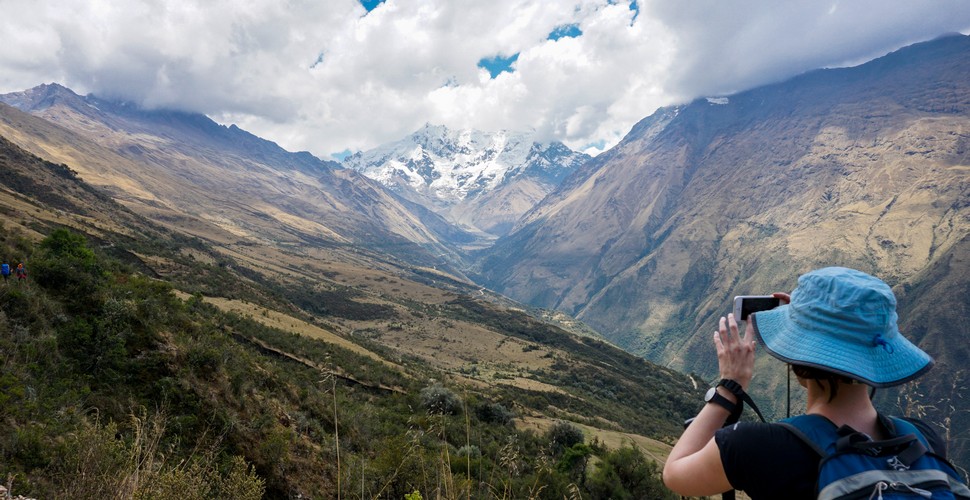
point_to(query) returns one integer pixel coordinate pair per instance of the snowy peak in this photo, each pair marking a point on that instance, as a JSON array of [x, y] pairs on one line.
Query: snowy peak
[[449, 166]]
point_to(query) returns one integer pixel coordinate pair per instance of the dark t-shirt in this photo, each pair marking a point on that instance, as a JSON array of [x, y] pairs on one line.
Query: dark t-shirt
[[768, 461]]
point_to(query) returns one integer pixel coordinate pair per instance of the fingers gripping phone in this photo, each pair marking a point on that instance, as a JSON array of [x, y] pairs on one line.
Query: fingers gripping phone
[[744, 305]]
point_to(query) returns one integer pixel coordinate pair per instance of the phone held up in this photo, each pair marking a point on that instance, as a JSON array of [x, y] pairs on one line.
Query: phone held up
[[744, 305]]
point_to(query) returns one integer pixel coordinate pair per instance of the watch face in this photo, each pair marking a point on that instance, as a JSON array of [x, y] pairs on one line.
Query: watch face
[[710, 393]]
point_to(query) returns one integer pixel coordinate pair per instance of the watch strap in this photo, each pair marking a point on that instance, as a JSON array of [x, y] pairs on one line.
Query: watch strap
[[732, 386], [743, 397], [723, 402]]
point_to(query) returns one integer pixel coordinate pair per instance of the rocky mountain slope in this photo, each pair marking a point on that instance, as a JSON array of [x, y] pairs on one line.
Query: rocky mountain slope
[[218, 182], [864, 167], [477, 179]]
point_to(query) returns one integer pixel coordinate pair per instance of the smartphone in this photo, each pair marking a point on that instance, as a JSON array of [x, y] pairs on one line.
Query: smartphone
[[747, 304]]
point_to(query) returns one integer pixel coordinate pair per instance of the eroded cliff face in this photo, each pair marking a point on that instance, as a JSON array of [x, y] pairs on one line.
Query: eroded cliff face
[[864, 167]]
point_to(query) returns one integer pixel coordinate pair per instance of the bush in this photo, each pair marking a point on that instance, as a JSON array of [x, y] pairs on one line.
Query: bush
[[574, 459], [95, 348], [626, 473], [15, 303], [67, 266], [438, 399], [93, 462], [204, 361], [469, 450], [564, 435], [494, 413]]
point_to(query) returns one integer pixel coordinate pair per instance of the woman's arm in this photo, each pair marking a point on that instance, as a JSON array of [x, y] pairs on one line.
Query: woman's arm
[[694, 466]]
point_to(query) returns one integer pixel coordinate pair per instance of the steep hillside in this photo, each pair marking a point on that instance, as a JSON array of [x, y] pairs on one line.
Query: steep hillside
[[139, 360], [219, 182], [480, 180], [865, 167]]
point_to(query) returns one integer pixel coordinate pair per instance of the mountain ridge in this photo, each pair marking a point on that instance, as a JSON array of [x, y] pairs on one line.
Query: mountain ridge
[[186, 168], [865, 167], [485, 180]]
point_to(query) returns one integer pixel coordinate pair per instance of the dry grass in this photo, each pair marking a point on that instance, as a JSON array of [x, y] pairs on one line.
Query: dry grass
[[21, 209], [288, 323], [656, 450], [530, 385]]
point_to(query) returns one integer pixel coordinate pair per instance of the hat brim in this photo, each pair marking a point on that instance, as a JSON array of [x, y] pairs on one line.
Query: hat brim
[[895, 363]]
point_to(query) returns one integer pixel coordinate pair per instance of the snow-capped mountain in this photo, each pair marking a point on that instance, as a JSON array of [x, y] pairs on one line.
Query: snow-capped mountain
[[482, 179]]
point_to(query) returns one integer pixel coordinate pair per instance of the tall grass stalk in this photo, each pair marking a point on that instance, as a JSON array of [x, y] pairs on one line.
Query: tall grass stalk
[[336, 428], [468, 442]]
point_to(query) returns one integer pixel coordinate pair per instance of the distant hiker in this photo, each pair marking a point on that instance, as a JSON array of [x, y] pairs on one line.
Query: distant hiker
[[21, 273], [5, 271], [838, 331]]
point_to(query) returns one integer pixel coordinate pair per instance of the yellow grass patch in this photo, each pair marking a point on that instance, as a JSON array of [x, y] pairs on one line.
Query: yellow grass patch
[[530, 385], [655, 450], [288, 323]]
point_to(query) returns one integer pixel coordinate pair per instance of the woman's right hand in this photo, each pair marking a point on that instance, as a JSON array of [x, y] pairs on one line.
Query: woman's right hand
[[735, 354]]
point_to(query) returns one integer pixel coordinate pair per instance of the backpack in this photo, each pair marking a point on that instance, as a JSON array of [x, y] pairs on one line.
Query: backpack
[[854, 466], [6, 270]]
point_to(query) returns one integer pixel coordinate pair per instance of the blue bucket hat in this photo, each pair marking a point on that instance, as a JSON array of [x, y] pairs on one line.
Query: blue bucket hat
[[843, 321]]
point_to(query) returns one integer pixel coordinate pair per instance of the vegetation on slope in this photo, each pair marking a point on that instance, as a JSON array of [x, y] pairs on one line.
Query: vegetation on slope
[[110, 384], [113, 385]]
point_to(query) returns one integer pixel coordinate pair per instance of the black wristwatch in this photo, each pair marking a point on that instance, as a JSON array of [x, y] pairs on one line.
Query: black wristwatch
[[713, 397]]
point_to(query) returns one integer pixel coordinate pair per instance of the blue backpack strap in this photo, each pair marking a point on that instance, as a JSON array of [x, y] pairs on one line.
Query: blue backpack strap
[[902, 427], [816, 431]]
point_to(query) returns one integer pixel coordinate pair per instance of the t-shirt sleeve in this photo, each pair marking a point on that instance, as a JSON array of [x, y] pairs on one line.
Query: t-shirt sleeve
[[766, 460]]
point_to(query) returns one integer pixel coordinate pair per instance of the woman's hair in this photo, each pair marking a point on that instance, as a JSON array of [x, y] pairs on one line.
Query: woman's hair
[[818, 375]]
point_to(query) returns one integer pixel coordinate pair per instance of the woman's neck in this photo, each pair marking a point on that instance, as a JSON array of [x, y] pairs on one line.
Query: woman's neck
[[851, 407]]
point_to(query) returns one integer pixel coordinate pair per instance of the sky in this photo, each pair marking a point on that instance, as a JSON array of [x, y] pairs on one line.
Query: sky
[[338, 76]]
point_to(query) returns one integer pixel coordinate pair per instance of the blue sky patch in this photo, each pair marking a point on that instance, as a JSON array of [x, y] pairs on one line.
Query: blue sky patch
[[634, 6], [565, 31], [371, 4], [341, 156], [600, 144], [498, 64], [318, 62]]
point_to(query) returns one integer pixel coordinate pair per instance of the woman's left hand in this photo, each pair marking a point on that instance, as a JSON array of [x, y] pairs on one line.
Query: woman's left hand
[[735, 354]]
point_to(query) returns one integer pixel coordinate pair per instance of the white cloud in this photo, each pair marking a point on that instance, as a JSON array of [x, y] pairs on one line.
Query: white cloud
[[324, 77]]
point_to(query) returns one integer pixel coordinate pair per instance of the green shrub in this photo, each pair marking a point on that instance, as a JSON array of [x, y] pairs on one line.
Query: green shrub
[[66, 265], [627, 474], [564, 435], [494, 413], [574, 459], [96, 461], [15, 303], [96, 349], [29, 448], [440, 400], [469, 450], [204, 361]]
